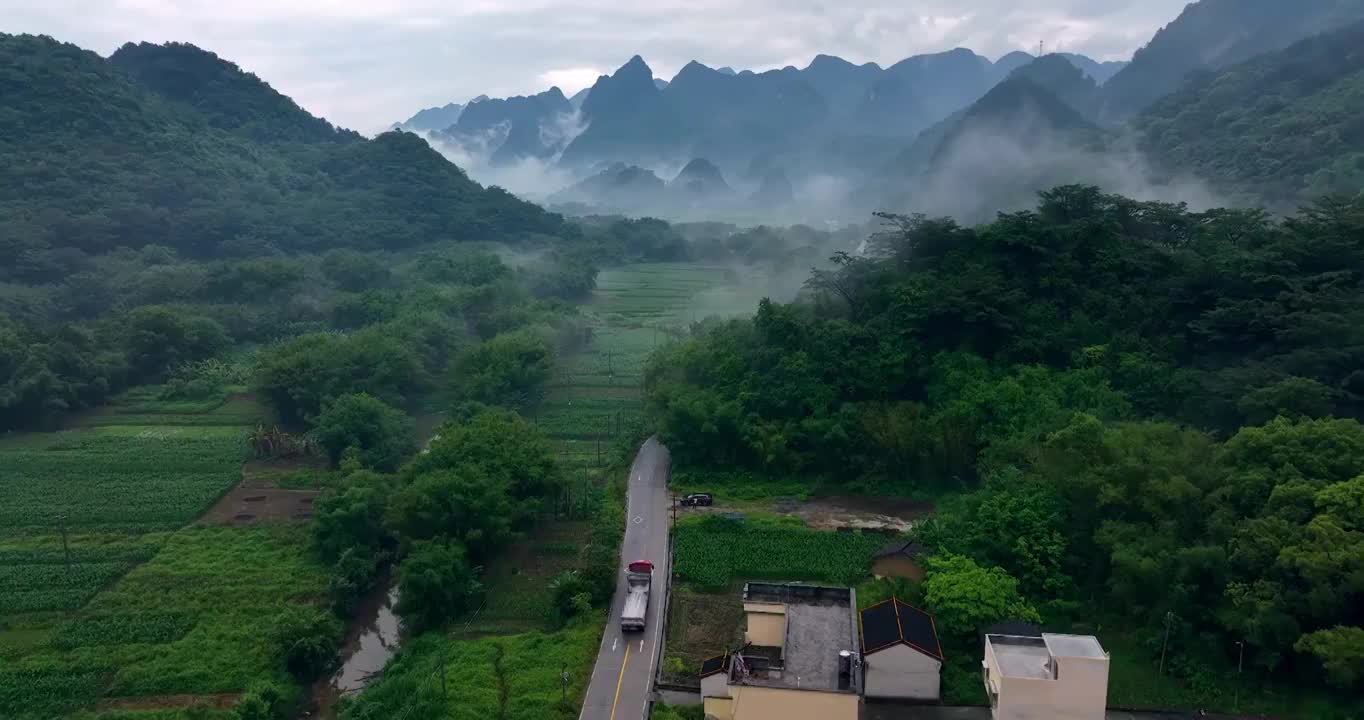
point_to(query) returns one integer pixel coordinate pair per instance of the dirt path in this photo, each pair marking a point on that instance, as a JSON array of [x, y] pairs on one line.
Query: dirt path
[[220, 701]]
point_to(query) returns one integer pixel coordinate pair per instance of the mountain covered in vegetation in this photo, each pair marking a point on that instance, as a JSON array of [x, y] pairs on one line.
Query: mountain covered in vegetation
[[1279, 128], [1213, 34], [170, 145]]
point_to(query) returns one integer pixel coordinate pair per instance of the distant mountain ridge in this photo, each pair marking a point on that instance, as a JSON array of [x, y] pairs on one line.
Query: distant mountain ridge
[[632, 117]]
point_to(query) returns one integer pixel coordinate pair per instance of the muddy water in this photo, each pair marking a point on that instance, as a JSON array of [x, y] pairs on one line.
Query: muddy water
[[373, 638]]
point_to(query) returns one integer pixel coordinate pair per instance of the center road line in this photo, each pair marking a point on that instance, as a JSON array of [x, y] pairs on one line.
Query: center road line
[[620, 680]]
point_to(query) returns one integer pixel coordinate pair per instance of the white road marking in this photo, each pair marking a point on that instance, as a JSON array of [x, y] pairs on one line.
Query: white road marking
[[641, 644], [614, 643]]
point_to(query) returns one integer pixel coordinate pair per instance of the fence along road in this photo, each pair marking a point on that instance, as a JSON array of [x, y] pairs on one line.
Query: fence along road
[[622, 679]]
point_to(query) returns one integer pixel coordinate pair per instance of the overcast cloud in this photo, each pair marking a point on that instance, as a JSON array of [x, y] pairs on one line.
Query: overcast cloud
[[364, 64]]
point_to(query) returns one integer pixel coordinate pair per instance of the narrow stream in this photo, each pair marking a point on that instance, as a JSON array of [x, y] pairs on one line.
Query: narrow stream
[[373, 639]]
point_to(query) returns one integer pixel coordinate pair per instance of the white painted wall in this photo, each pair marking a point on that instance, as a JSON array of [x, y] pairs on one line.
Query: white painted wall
[[900, 671]]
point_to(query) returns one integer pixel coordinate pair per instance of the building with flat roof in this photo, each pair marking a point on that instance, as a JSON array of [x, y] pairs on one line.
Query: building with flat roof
[[798, 661], [1051, 677]]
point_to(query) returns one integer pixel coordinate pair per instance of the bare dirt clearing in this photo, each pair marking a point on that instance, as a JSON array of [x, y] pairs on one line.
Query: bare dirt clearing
[[836, 512], [258, 498]]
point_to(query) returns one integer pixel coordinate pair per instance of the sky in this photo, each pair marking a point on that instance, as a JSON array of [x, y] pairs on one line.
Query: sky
[[364, 64]]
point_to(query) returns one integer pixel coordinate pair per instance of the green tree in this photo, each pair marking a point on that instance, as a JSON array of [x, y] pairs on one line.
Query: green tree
[[436, 584], [510, 369], [464, 503], [351, 517], [965, 597], [157, 338], [379, 435], [505, 447], [307, 640], [1340, 650]]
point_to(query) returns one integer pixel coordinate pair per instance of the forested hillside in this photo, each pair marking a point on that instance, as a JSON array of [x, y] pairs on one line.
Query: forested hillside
[[1213, 34], [169, 145], [163, 208], [1278, 129], [1155, 411]]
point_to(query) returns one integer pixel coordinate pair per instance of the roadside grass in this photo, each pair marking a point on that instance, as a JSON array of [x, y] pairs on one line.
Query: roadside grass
[[740, 487], [518, 595], [513, 677], [664, 711]]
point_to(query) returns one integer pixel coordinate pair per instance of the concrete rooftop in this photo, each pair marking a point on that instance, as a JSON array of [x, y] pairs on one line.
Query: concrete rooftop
[[1022, 657]]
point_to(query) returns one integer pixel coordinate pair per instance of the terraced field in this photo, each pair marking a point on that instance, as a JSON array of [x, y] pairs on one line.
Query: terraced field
[[598, 392]]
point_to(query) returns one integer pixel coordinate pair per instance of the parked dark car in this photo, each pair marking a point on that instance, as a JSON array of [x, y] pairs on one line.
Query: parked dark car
[[698, 500]]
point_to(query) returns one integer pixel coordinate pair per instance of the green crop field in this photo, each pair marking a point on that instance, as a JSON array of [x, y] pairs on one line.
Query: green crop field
[[511, 677], [712, 552], [108, 592], [194, 619], [134, 477], [597, 392]]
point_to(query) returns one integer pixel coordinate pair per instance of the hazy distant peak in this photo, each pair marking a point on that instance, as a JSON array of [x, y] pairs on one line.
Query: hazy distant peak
[[554, 93], [660, 83], [1017, 56], [479, 99], [635, 66], [726, 70], [822, 60]]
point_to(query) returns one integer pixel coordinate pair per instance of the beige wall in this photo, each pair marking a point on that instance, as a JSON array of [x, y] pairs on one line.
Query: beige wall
[[761, 703], [766, 624], [719, 708], [900, 671], [1079, 692]]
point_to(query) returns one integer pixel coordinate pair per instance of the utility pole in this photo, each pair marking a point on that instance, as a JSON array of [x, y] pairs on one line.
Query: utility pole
[[66, 548], [1240, 658], [444, 691], [1169, 616]]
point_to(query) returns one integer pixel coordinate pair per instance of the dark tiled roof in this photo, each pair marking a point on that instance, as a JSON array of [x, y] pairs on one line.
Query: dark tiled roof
[[908, 548], [719, 663], [888, 623]]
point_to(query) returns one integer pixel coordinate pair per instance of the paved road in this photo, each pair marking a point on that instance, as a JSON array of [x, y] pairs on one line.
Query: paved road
[[623, 677]]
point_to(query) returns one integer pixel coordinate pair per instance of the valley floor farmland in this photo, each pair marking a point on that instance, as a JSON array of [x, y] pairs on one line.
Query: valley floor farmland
[[509, 658], [598, 393], [112, 603]]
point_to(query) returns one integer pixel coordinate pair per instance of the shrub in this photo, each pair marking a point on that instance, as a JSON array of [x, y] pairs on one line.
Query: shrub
[[307, 640]]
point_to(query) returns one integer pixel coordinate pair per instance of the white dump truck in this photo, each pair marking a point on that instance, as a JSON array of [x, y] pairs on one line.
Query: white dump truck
[[639, 576]]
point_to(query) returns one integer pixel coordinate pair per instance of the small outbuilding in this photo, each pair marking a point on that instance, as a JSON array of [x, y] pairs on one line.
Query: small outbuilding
[[901, 655], [900, 559]]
